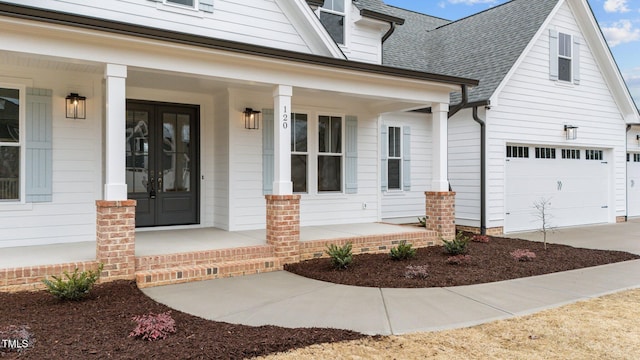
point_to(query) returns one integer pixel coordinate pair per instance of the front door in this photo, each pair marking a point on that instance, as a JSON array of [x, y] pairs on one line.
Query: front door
[[163, 162]]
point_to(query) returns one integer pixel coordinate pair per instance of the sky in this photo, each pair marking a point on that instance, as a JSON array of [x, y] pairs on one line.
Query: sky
[[618, 19]]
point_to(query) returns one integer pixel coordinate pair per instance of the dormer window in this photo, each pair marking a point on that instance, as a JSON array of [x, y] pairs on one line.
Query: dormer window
[[181, 2], [332, 16]]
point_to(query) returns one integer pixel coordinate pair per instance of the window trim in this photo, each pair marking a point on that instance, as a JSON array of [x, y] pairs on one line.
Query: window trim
[[22, 123], [570, 58], [400, 158], [305, 153], [345, 28], [313, 151]]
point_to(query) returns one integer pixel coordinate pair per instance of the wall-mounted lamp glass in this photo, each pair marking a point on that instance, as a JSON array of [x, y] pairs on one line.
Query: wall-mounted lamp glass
[[571, 132], [251, 119], [76, 106], [638, 139]]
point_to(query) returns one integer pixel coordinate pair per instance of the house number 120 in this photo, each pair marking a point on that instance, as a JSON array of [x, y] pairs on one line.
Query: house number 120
[[285, 118]]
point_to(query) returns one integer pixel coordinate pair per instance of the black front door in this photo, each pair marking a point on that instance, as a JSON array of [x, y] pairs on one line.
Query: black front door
[[163, 162]]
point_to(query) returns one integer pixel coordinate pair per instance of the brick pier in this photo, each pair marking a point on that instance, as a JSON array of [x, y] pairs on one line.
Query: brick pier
[[115, 239], [283, 227], [441, 214]]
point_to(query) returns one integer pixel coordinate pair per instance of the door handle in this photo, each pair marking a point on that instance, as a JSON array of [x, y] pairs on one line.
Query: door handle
[[152, 190], [559, 185]]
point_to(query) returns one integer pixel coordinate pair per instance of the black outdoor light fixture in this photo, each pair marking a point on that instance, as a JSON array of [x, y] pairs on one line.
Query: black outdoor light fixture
[[251, 119], [76, 106], [571, 132]]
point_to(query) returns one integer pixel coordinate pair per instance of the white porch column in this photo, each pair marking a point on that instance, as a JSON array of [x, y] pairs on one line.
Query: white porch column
[[115, 187], [282, 184], [439, 180]]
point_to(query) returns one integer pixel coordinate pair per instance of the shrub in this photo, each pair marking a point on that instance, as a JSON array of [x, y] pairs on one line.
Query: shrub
[[459, 259], [341, 256], [76, 286], [456, 246], [153, 326], [416, 272], [403, 251], [480, 238], [423, 221], [523, 255]]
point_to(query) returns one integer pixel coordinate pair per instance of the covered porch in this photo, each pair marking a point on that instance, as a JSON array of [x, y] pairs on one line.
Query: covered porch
[[167, 256]]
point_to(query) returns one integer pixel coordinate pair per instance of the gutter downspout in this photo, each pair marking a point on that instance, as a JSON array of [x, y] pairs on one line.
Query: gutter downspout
[[389, 32], [483, 172], [626, 183], [463, 103]]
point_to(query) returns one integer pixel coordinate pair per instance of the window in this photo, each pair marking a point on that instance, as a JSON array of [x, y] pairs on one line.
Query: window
[[10, 144], [517, 151], [394, 165], [636, 157], [329, 153], [564, 56], [299, 152], [545, 153], [570, 154], [332, 16], [593, 155], [181, 2]]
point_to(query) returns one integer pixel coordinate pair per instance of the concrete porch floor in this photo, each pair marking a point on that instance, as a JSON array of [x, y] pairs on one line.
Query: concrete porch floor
[[159, 242]]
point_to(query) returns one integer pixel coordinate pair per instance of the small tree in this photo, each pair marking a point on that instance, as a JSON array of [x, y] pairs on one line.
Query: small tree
[[543, 206]]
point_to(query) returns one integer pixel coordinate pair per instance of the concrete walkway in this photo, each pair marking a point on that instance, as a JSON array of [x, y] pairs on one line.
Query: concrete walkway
[[288, 300]]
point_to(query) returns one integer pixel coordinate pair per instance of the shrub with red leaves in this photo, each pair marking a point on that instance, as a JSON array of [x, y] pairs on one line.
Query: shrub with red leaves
[[480, 238], [459, 259], [154, 326], [523, 255]]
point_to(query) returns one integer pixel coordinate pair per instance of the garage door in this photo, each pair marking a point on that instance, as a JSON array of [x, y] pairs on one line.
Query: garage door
[[575, 182], [633, 186]]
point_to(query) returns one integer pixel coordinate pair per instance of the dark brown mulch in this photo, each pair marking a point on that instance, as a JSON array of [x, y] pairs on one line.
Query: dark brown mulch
[[489, 262], [98, 328]]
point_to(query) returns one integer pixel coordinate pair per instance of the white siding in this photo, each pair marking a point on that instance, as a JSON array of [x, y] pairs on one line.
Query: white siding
[[532, 109], [364, 39], [70, 216], [253, 22], [411, 204], [464, 166]]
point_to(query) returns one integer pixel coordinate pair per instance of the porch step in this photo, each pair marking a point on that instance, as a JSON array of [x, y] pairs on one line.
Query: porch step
[[189, 273], [204, 257]]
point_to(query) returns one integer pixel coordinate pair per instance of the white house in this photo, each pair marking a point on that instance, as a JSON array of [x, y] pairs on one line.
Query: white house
[[547, 121], [366, 116]]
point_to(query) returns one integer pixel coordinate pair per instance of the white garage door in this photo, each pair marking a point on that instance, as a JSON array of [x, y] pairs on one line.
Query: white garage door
[[575, 181], [633, 186]]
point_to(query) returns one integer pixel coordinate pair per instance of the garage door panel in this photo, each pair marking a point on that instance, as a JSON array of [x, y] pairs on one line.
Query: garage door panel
[[577, 190], [633, 184]]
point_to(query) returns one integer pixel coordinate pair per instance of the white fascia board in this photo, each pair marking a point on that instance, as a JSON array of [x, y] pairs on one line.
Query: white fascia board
[[51, 40], [308, 25]]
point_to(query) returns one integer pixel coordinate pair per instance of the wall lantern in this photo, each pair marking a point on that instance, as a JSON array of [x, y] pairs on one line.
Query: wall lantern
[[571, 132], [76, 106], [638, 139], [251, 119]]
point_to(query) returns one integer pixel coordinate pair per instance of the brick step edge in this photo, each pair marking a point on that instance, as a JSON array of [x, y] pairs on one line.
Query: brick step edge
[[203, 257], [183, 274], [29, 278]]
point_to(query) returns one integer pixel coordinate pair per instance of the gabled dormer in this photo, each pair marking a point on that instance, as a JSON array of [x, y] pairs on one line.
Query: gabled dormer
[[358, 27]]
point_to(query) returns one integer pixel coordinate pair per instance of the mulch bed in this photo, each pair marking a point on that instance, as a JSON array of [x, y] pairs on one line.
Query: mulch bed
[[99, 326], [489, 262]]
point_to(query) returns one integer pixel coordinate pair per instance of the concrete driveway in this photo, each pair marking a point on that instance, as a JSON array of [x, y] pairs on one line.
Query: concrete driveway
[[623, 236]]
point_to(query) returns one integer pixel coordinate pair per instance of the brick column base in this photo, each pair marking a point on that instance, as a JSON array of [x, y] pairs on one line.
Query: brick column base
[[283, 226], [115, 239], [441, 214]]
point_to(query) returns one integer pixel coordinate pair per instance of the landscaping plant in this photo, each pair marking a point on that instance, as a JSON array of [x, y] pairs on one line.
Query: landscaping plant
[[523, 255], [153, 326], [480, 238], [341, 256], [74, 286], [416, 272], [459, 259], [542, 207], [403, 251], [456, 246]]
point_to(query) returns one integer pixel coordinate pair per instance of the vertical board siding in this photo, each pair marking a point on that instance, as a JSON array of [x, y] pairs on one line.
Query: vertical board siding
[[351, 155], [221, 162], [409, 203], [268, 149], [533, 109]]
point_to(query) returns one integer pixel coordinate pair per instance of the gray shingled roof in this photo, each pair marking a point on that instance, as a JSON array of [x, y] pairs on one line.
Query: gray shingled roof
[[484, 46]]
